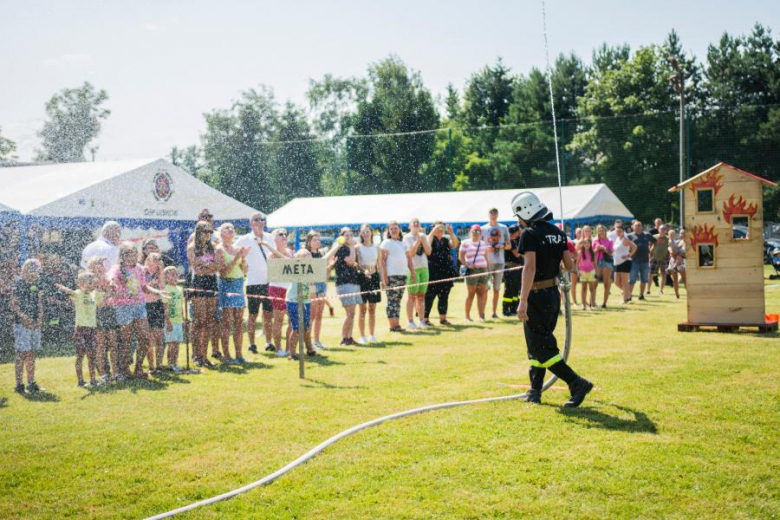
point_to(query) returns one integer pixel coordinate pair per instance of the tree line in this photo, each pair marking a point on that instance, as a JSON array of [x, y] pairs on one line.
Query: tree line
[[385, 132]]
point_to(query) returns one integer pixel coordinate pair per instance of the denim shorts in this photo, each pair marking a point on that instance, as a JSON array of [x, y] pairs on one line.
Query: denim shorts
[[292, 314], [349, 288], [320, 288], [176, 335], [641, 271], [603, 264], [26, 340], [126, 314]]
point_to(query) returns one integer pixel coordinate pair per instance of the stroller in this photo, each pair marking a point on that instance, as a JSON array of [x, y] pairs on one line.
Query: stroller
[[775, 263]]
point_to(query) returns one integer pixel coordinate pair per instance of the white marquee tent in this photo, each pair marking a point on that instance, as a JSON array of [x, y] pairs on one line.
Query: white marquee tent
[[581, 204], [151, 198]]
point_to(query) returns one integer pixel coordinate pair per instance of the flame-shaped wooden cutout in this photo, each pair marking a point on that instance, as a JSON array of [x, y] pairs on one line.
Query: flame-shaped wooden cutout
[[711, 180], [703, 235], [739, 207]]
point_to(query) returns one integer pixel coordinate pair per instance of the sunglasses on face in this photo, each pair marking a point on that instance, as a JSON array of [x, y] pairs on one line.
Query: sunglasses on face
[[476, 232], [282, 235], [258, 220]]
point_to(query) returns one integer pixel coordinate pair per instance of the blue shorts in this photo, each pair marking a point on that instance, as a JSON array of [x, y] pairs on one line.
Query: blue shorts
[[126, 314], [26, 340], [603, 264], [639, 270], [176, 335], [320, 288], [349, 288], [292, 314], [231, 293]]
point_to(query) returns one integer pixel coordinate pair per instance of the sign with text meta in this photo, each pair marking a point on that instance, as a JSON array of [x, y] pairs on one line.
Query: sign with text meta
[[304, 270]]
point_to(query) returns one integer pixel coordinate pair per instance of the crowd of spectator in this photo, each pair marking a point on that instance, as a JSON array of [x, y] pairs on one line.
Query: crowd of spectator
[[128, 303]]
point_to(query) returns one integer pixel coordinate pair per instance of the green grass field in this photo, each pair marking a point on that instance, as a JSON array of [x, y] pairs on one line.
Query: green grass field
[[680, 425]]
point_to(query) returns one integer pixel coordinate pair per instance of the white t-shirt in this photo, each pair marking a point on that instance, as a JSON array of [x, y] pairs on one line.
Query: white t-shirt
[[257, 273], [368, 255], [396, 257], [418, 261], [104, 248]]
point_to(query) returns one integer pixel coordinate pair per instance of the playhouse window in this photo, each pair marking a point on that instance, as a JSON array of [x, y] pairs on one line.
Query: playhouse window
[[705, 200], [706, 255], [740, 227]]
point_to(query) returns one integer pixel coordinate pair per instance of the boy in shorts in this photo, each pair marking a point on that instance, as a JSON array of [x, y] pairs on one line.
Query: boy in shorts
[[27, 306], [291, 299], [174, 320]]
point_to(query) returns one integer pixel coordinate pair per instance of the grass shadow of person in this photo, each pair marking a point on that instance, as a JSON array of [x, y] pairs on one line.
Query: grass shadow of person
[[42, 397], [241, 368], [322, 361], [134, 385], [458, 328], [592, 417], [395, 343], [3, 402]]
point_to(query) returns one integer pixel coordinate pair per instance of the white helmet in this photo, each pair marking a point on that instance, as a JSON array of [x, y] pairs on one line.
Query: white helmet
[[528, 207]]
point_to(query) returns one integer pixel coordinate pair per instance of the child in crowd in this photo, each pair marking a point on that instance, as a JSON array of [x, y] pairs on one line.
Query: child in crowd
[[106, 319], [174, 320], [587, 272], [129, 285], [27, 307], [155, 310], [292, 313], [85, 301]]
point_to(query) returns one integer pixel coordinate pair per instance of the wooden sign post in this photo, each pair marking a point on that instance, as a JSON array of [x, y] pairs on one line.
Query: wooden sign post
[[300, 271]]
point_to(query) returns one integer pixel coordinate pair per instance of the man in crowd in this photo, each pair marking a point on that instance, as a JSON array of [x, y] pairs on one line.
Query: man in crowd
[[544, 247], [257, 279], [640, 262], [659, 254], [106, 246], [512, 279], [497, 236], [657, 226]]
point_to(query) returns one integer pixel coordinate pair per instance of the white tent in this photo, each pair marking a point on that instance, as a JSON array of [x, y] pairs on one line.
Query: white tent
[[582, 204], [142, 189], [6, 209]]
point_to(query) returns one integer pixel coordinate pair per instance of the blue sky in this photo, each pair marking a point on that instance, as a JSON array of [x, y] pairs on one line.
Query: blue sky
[[165, 63]]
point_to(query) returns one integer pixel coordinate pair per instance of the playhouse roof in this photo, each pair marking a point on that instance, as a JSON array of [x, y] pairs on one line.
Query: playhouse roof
[[720, 164]]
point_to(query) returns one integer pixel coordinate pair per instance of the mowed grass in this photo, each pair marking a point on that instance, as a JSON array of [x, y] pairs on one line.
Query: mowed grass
[[680, 425]]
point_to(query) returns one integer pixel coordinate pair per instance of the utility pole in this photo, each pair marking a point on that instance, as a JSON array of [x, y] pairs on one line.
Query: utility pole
[[678, 80]]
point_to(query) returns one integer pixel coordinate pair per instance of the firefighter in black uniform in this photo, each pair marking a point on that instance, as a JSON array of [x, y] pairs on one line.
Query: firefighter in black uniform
[[512, 258], [543, 247]]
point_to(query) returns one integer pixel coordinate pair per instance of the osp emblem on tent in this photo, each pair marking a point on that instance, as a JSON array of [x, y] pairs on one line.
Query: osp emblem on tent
[[163, 186]]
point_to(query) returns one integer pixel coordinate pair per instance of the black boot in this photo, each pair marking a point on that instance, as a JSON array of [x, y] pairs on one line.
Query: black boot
[[536, 375], [579, 389]]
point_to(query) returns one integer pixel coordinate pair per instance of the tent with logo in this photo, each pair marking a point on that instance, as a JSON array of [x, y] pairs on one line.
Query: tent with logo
[[584, 204], [150, 198]]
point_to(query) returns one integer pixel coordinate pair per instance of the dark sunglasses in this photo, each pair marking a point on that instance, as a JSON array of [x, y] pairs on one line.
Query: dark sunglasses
[[207, 217], [282, 234], [258, 220], [209, 231]]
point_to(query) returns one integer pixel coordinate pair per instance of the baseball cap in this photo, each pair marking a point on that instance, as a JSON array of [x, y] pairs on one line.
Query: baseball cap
[[514, 228], [494, 232], [476, 227]]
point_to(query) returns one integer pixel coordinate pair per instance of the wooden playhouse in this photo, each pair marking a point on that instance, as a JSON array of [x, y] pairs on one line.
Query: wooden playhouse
[[724, 249]]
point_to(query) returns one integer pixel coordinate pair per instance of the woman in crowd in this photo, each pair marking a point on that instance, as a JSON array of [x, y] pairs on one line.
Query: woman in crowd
[[232, 269], [602, 246], [440, 267], [155, 310], [472, 255], [417, 248], [369, 267], [586, 261], [623, 249], [347, 282], [676, 260], [203, 262], [575, 277], [395, 267], [313, 244], [277, 291]]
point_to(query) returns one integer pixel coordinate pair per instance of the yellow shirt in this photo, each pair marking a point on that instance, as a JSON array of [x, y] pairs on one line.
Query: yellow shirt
[[86, 305]]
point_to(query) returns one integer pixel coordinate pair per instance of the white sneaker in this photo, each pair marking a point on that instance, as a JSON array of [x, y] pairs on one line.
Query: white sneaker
[[372, 339], [362, 341], [320, 346], [412, 326], [424, 325], [281, 353]]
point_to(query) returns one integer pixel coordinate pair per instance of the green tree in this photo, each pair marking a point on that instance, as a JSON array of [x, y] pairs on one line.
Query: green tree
[[233, 148], [486, 100], [7, 147], [74, 118], [297, 162]]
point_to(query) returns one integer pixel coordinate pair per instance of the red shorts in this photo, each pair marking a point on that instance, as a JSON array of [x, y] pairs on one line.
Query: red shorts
[[278, 295]]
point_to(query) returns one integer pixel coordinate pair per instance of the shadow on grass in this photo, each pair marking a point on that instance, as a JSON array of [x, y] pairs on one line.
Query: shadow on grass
[[591, 417], [322, 361], [3, 402], [41, 397], [393, 344], [240, 368], [133, 385], [329, 386], [457, 328]]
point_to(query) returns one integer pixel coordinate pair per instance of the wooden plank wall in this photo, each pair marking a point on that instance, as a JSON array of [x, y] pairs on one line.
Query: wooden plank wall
[[733, 291]]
